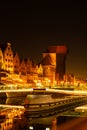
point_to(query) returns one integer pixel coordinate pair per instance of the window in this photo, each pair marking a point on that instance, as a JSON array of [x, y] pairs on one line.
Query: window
[[8, 48]]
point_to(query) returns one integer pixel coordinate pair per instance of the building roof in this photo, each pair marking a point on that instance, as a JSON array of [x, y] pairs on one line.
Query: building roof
[[4, 46], [46, 60]]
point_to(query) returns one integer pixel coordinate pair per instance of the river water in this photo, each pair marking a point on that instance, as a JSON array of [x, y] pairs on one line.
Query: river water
[[12, 114]]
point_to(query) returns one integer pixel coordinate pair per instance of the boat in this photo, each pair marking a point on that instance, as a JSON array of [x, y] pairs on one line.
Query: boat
[[16, 94]]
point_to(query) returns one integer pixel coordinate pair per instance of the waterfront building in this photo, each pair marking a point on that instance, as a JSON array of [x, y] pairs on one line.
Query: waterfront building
[[30, 72], [7, 57], [39, 70], [50, 70], [1, 60], [22, 70], [16, 63], [53, 63], [61, 53], [48, 66], [14, 67]]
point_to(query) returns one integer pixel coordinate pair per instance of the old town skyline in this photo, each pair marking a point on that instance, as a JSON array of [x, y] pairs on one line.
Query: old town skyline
[[31, 29], [50, 71]]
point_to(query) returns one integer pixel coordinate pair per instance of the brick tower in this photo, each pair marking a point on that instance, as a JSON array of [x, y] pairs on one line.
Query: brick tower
[[61, 52]]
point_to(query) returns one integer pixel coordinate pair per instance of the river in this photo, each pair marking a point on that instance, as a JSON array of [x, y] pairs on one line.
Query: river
[[12, 114]]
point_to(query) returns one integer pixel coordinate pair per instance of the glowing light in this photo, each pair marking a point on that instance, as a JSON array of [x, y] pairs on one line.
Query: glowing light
[[12, 106], [31, 128], [47, 128]]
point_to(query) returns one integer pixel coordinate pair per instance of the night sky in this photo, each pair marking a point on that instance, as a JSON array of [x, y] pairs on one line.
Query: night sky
[[32, 27]]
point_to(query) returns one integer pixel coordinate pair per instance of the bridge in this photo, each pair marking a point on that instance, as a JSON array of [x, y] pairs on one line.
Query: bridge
[[40, 110], [12, 92], [57, 108]]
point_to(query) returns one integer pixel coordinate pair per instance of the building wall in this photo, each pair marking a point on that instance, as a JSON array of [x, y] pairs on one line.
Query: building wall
[[8, 58], [53, 69], [16, 63], [23, 68], [49, 72], [52, 57], [39, 69], [1, 60], [61, 52], [26, 69], [28, 66]]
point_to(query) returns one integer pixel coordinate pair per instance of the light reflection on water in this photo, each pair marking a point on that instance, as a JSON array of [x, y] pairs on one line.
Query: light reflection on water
[[14, 119]]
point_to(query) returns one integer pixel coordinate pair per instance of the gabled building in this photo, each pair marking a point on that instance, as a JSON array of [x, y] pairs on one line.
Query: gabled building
[[60, 60], [1, 60], [50, 69], [23, 70], [31, 70], [48, 66], [53, 63], [7, 57], [16, 63]]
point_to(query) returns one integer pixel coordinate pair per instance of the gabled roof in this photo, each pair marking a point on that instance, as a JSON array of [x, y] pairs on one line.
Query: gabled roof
[[15, 53], [46, 60]]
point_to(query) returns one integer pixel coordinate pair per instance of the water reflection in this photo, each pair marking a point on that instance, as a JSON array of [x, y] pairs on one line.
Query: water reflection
[[13, 101], [7, 116], [54, 124], [3, 100], [15, 118]]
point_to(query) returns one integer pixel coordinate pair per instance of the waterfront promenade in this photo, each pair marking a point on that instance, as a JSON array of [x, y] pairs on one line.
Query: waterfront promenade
[[11, 92]]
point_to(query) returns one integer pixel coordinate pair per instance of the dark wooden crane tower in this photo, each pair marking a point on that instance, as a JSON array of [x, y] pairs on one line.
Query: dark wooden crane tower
[[61, 53]]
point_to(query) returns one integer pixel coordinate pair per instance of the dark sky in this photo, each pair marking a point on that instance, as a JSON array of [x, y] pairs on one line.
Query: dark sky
[[32, 27]]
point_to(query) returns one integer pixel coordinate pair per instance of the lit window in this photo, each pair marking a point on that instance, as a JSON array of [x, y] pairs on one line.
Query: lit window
[[8, 66], [47, 128], [31, 128]]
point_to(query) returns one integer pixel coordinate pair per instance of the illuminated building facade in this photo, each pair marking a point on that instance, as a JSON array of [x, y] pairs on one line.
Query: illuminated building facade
[[16, 63], [11, 63], [1, 60], [61, 53], [7, 57], [49, 66], [50, 69], [53, 63]]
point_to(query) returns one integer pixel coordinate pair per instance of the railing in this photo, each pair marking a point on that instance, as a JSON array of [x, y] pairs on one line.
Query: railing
[[53, 108]]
